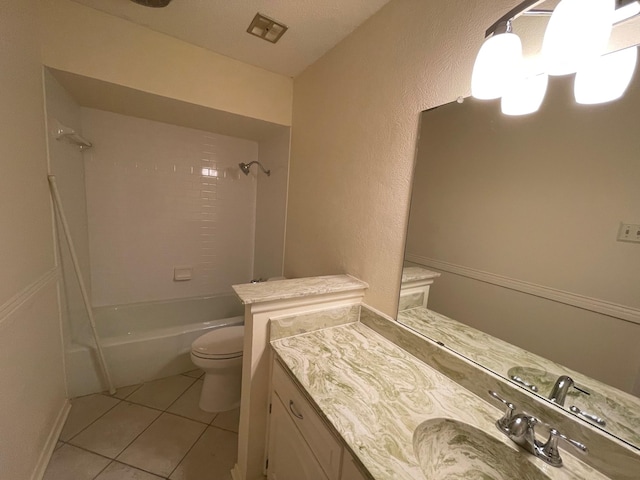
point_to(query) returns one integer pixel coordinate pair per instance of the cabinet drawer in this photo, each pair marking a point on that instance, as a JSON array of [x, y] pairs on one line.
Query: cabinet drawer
[[324, 445]]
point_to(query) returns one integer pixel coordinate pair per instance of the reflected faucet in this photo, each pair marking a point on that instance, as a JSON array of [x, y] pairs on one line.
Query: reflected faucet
[[560, 389]]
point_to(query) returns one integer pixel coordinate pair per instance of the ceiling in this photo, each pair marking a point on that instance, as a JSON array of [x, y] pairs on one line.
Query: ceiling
[[315, 26]]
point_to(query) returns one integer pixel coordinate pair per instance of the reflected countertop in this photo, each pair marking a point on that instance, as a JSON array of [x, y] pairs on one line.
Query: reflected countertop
[[619, 409]]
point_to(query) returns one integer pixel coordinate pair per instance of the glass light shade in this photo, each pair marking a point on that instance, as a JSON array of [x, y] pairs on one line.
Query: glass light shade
[[625, 12], [498, 65], [606, 78], [578, 31], [525, 96]]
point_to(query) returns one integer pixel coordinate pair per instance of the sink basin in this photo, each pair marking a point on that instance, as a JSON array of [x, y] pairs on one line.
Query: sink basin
[[448, 449]]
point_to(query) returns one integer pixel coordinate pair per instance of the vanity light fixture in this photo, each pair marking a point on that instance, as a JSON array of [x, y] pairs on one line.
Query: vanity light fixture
[[575, 40], [606, 78], [578, 32], [498, 65]]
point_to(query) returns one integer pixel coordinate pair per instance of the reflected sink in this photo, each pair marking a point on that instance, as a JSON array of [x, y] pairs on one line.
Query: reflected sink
[[448, 449]]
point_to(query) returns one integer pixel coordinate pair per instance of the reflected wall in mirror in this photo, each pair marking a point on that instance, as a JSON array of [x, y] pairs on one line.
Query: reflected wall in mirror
[[520, 215]]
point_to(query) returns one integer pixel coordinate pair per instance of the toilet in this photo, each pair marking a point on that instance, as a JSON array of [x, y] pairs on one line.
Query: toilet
[[219, 354]]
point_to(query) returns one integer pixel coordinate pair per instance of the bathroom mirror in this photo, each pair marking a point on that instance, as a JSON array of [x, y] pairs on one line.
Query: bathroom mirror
[[521, 217]]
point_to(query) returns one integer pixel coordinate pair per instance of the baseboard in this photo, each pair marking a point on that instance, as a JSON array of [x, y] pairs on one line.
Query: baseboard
[[51, 442], [235, 472]]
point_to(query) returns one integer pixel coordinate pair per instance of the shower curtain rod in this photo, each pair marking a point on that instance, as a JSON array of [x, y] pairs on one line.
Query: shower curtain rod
[[83, 289]]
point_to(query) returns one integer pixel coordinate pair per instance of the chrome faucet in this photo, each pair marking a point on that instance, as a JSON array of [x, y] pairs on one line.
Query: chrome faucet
[[520, 428], [560, 389]]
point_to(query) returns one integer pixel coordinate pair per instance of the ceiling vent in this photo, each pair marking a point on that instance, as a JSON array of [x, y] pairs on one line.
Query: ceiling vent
[[153, 3], [266, 28]]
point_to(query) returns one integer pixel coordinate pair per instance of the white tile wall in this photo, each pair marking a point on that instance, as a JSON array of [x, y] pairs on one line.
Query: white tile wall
[[161, 196]]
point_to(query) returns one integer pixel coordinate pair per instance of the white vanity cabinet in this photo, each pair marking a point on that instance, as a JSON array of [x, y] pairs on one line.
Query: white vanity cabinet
[[301, 446]]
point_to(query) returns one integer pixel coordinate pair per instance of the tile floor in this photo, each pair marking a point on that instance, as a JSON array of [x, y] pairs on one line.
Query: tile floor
[[146, 432]]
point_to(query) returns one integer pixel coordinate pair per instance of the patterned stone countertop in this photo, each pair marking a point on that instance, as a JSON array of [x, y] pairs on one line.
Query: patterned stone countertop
[[376, 395], [619, 409], [412, 274], [296, 287]]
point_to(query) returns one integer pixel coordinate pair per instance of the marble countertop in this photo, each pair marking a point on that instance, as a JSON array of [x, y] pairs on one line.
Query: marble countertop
[[412, 274], [619, 409], [297, 287], [375, 395]]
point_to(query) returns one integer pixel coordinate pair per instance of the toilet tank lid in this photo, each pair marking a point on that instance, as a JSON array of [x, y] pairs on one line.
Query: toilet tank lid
[[221, 341]]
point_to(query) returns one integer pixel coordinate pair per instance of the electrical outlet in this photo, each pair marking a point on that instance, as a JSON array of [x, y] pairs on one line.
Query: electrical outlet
[[629, 232]]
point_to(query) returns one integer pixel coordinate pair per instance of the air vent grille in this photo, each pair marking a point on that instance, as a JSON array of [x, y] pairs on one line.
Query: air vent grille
[[267, 28]]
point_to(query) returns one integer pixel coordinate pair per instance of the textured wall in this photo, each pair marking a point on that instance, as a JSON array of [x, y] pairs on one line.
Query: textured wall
[[161, 196], [355, 119], [87, 42], [33, 394]]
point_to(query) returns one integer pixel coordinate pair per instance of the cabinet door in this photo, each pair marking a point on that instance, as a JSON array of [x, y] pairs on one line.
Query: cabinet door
[[290, 458], [349, 469]]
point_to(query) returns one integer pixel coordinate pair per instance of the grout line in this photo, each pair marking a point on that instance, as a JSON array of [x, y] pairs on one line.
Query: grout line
[[188, 451], [94, 421], [185, 391], [141, 469], [105, 467], [213, 419], [137, 437]]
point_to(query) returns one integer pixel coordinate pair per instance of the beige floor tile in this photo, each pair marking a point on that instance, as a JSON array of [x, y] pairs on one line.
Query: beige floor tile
[[213, 456], [58, 445], [124, 392], [197, 373], [161, 393], [119, 471], [163, 445], [187, 405], [114, 431], [228, 420], [84, 411], [71, 463]]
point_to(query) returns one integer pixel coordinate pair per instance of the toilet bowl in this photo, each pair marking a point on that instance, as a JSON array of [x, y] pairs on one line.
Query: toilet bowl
[[219, 354]]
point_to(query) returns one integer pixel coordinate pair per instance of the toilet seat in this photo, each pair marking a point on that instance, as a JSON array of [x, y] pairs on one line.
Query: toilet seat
[[220, 344]]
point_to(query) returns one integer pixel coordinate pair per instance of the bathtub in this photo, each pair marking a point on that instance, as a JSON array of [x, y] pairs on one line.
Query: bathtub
[[145, 341]]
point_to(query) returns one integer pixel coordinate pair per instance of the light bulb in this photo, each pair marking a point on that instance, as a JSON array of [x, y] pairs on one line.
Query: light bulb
[[625, 12], [606, 78], [578, 31], [525, 96], [497, 66]]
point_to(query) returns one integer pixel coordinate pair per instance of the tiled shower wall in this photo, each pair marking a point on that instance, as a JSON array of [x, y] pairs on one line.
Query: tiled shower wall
[[161, 196]]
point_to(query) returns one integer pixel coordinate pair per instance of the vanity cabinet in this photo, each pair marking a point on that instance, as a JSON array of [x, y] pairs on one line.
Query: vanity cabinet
[[301, 446]]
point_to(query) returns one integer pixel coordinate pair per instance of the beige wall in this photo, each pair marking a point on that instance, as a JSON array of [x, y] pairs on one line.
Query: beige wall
[[33, 394], [271, 206], [355, 119], [87, 42]]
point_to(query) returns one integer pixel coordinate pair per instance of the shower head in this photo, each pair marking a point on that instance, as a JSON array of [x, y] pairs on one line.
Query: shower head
[[152, 3], [245, 167]]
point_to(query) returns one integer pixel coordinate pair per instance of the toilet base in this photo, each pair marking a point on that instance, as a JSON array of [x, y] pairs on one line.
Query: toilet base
[[221, 390]]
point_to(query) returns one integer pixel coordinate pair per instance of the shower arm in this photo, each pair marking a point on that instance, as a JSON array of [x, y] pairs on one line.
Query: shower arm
[[246, 166]]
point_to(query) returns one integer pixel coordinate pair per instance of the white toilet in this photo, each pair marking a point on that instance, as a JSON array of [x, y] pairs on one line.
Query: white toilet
[[219, 354]]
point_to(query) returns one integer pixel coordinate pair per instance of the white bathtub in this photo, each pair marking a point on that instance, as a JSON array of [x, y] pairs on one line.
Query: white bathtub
[[145, 341]]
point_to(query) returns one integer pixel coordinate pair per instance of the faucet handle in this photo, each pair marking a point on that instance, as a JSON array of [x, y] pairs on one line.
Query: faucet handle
[[549, 451], [504, 422]]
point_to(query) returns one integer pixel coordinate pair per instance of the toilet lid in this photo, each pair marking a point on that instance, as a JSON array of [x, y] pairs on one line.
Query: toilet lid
[[225, 341]]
